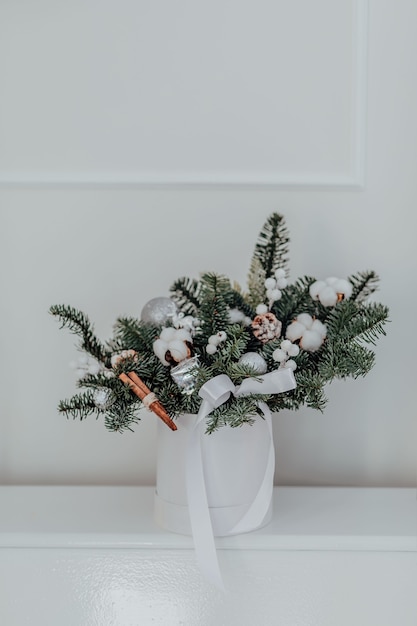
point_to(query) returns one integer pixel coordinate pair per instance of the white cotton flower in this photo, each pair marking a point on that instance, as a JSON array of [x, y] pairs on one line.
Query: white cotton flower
[[315, 289], [343, 286], [168, 334], [319, 327], [311, 341], [160, 348], [295, 331], [178, 350], [328, 296], [330, 291], [305, 319]]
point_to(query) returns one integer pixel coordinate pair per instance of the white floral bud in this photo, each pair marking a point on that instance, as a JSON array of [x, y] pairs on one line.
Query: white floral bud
[[211, 348], [282, 283], [276, 294], [261, 309], [293, 350], [286, 344], [270, 283], [279, 355], [279, 273], [290, 364]]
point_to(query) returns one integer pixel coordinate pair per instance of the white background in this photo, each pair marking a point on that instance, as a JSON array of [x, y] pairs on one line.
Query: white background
[[87, 98]]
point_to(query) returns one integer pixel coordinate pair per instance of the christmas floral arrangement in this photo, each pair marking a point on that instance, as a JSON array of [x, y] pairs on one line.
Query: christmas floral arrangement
[[320, 329]]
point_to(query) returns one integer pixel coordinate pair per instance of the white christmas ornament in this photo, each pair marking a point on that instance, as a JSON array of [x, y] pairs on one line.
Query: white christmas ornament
[[158, 311], [330, 291], [254, 360]]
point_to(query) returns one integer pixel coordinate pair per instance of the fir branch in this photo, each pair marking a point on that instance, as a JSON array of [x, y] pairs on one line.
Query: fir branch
[[271, 248], [364, 324], [214, 309], [186, 293], [363, 285], [120, 417], [80, 406], [132, 334], [345, 360], [79, 324]]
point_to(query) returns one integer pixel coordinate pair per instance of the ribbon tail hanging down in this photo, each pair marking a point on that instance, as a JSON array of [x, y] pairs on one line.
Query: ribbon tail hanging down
[[214, 393]]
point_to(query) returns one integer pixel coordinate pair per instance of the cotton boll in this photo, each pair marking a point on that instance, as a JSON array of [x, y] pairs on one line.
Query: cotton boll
[[305, 319], [328, 296], [319, 327], [311, 341], [261, 309], [168, 334], [183, 335], [343, 286], [178, 350], [279, 355], [332, 280], [315, 289], [294, 331], [160, 348]]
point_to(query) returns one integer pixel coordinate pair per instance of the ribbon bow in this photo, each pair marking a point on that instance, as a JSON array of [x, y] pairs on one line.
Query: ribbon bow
[[214, 393]]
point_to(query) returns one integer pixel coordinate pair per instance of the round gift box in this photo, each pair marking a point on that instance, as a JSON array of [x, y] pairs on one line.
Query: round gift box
[[234, 463]]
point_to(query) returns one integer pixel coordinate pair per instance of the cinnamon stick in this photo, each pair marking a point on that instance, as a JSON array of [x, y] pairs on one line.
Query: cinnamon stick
[[139, 388]]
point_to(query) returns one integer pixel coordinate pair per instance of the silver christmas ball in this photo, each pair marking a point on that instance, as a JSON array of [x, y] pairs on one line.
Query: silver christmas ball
[[103, 398], [255, 360], [158, 311]]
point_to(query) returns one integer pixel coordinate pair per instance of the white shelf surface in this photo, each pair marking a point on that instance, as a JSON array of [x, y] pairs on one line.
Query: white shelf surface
[[305, 518]]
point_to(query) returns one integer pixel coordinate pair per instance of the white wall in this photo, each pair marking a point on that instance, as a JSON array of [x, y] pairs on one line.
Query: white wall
[[107, 249]]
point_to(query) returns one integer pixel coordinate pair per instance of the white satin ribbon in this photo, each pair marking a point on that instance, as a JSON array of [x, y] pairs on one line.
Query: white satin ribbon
[[214, 393]]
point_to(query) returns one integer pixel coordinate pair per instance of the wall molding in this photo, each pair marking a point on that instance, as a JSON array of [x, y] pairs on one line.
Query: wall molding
[[353, 178]]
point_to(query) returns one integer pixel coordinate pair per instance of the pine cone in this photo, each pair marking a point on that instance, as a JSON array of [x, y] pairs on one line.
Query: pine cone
[[266, 327]]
